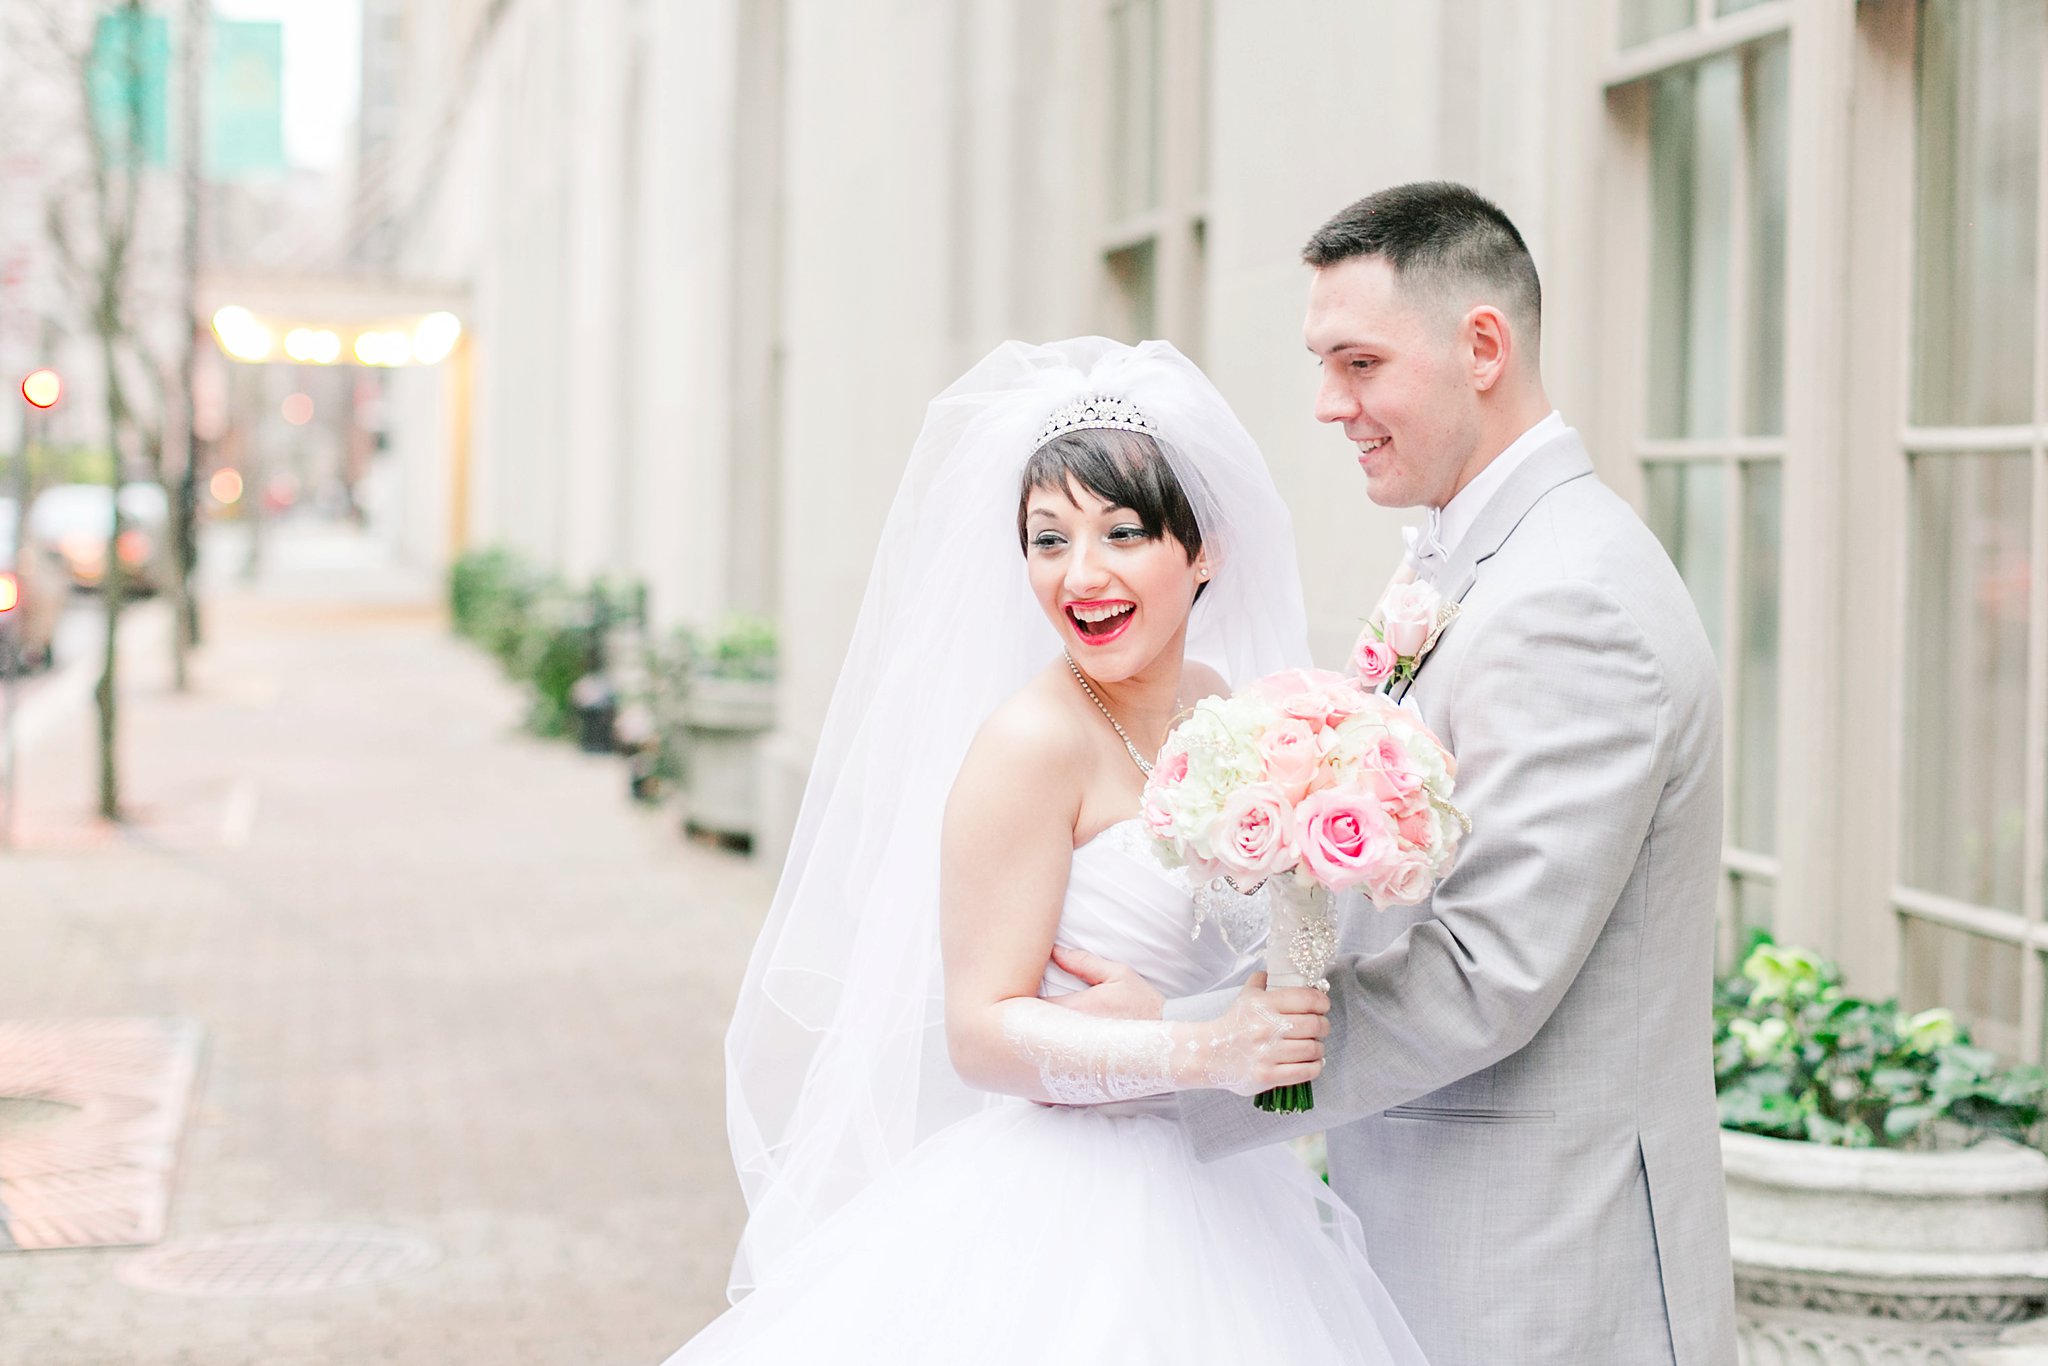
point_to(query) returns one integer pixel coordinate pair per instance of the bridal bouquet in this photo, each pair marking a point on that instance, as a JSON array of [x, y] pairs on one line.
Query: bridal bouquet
[[1306, 783]]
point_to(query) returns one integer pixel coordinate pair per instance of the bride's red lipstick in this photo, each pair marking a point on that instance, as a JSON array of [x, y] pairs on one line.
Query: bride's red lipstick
[[1114, 627]]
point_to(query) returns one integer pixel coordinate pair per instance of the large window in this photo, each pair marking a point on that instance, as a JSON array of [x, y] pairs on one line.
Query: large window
[[1153, 236], [1973, 848], [1712, 441]]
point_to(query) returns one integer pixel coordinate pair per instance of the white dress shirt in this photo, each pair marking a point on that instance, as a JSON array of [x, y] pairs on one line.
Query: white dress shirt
[[1447, 525]]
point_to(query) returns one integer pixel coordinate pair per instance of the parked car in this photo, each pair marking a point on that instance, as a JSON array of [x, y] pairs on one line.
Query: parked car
[[35, 586], [75, 520]]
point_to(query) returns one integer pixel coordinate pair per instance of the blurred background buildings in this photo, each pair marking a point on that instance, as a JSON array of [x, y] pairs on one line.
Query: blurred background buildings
[[712, 257]]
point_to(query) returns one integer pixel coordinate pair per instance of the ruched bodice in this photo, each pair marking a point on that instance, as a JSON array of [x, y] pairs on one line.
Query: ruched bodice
[[1125, 905]]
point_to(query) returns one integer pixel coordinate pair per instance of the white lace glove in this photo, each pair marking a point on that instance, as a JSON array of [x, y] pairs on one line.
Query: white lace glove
[[1239, 1049], [1083, 1060]]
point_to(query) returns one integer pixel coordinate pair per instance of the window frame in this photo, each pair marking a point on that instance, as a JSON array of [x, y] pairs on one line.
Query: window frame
[[1628, 79], [1175, 225], [1846, 576], [2027, 929]]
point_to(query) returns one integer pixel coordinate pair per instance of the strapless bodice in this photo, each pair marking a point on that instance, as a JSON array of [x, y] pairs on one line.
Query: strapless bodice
[[1125, 905]]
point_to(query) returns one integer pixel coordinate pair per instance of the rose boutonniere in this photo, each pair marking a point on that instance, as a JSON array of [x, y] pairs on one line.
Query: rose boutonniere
[[1403, 629]]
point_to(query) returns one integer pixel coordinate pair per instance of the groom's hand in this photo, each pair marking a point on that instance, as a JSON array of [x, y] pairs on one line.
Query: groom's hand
[[1114, 991]]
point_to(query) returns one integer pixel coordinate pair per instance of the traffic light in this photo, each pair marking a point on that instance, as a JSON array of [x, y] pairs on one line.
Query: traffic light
[[42, 388]]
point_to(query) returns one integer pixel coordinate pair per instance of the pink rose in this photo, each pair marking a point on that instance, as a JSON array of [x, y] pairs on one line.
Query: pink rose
[[1415, 827], [1274, 687], [1290, 755], [1316, 696], [1402, 881], [1257, 832], [1408, 615], [1344, 836], [1342, 701], [1372, 658], [1170, 770], [1158, 820], [1390, 772]]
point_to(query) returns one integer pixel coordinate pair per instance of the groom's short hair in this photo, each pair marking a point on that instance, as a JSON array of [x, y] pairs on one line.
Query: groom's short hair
[[1443, 236]]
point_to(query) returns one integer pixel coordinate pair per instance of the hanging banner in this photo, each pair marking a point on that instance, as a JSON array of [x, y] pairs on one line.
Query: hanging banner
[[245, 100], [128, 78]]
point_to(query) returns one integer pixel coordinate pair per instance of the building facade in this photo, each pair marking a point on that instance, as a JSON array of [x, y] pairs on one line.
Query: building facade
[[721, 253]]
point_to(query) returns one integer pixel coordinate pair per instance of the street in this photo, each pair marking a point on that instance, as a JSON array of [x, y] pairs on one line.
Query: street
[[455, 993], [44, 696]]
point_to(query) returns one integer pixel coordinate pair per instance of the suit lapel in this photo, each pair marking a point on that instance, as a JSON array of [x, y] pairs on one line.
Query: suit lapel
[[1557, 461]]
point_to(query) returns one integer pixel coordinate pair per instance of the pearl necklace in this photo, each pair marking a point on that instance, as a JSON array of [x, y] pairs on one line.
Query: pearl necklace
[[1144, 766]]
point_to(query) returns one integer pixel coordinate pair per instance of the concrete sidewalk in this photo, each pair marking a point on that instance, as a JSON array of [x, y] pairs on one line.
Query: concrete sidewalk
[[453, 984]]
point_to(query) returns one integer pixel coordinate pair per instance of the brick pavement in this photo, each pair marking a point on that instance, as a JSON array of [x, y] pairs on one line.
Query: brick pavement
[[452, 982]]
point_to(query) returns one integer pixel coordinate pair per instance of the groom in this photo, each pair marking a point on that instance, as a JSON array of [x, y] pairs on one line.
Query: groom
[[1519, 1086]]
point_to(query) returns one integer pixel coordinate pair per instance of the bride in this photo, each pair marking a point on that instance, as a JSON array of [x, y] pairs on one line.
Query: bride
[[940, 1164]]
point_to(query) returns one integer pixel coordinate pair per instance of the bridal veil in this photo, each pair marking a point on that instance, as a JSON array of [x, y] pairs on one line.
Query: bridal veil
[[836, 1062]]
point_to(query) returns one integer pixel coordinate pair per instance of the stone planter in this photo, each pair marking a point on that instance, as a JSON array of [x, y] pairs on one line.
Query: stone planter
[[723, 722], [1864, 1256], [2026, 1345]]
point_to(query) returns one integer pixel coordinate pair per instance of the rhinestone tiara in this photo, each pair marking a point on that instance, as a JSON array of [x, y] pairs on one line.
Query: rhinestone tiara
[[1096, 410]]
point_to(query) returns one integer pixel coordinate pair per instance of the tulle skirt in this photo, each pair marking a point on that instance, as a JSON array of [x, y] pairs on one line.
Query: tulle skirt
[[1028, 1234]]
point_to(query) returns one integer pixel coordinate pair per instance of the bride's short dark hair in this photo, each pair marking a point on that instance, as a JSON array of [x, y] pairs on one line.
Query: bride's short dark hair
[[1123, 469]]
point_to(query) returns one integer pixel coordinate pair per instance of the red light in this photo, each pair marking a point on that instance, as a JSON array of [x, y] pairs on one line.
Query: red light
[[42, 388], [132, 547], [10, 593]]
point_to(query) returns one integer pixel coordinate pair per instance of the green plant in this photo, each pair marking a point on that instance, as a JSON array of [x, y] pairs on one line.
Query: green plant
[[48, 464], [480, 582], [1795, 1056], [498, 600], [554, 651], [742, 647], [663, 683]]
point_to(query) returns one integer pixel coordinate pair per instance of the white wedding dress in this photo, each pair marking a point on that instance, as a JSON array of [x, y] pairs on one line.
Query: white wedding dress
[[1028, 1233]]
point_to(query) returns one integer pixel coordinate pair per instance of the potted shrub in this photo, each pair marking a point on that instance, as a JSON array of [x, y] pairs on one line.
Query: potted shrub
[[729, 704], [613, 612], [552, 652], [1885, 1202], [650, 726]]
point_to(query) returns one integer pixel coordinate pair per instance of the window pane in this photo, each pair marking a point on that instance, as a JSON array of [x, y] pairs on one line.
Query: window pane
[[1205, 118], [1769, 122], [1134, 169], [1671, 224], [1978, 978], [1979, 112], [1694, 122], [1756, 906], [1642, 20], [1756, 722], [1727, 7], [1966, 677], [1752, 905], [1688, 511], [1134, 278]]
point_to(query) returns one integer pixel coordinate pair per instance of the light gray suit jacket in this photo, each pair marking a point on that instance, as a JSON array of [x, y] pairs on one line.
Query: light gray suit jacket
[[1519, 1088]]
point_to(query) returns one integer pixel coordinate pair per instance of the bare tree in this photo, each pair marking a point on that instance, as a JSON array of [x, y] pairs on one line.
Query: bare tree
[[184, 499], [95, 238]]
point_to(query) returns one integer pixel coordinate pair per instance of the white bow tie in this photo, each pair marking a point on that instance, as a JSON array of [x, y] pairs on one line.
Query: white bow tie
[[1428, 552]]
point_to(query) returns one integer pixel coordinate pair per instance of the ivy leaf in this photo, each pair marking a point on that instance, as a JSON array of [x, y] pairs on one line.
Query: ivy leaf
[[1905, 1121], [1796, 1056]]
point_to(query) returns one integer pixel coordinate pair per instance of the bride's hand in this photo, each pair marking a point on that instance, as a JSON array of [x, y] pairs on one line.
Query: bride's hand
[[1114, 992], [1266, 1039]]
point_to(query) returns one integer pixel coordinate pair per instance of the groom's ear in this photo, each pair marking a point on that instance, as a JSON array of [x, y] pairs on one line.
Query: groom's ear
[[1491, 345]]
